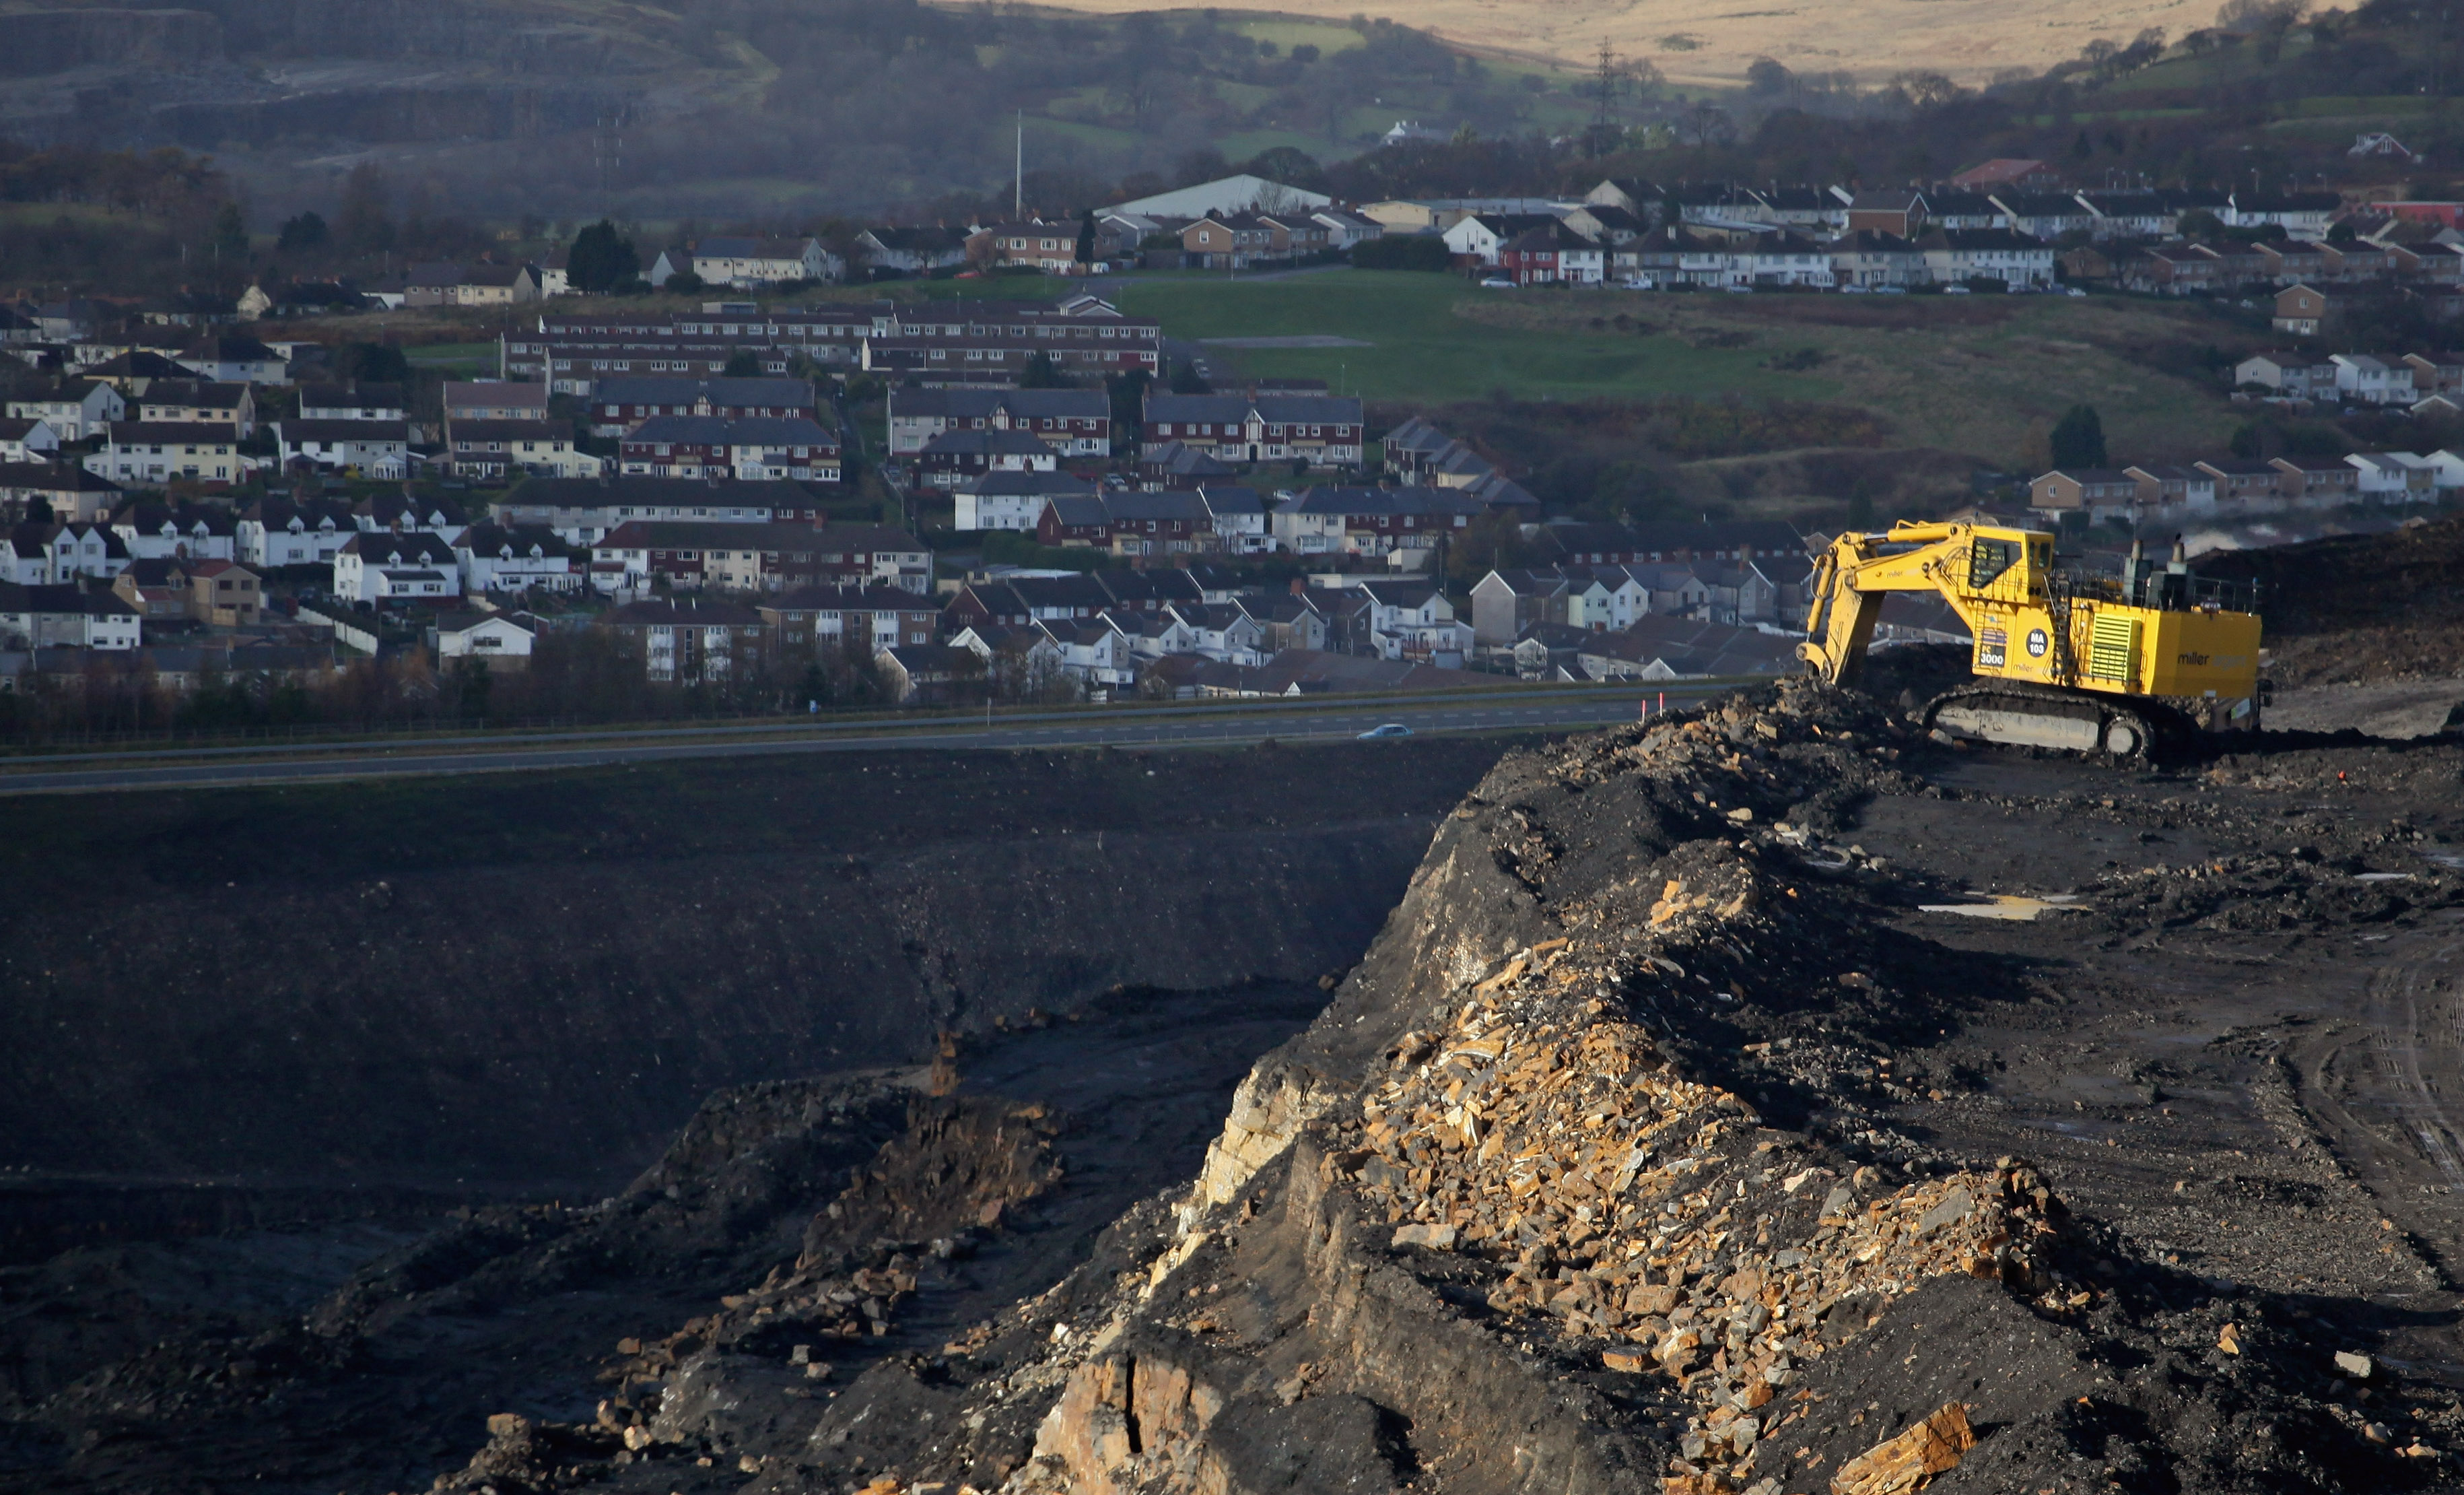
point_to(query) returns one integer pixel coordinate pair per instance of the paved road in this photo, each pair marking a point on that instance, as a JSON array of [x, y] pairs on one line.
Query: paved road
[[1184, 728]]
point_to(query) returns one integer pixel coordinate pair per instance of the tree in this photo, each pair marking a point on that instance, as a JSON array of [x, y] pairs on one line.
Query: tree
[[1768, 76], [1085, 253], [1041, 373], [742, 364], [602, 259], [373, 363], [2200, 223], [302, 234], [1187, 380], [684, 283], [363, 224], [231, 235], [2078, 438]]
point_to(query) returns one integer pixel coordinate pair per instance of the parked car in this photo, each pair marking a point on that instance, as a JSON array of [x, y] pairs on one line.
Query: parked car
[[1390, 729], [1956, 290], [1497, 282]]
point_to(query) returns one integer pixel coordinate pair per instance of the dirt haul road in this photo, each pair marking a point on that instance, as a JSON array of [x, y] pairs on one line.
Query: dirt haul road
[[1684, 1130]]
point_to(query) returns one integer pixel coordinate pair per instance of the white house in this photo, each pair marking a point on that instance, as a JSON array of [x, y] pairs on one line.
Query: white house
[[78, 410], [497, 558], [483, 636], [142, 453], [2372, 380], [151, 532], [28, 439], [1012, 500], [378, 449], [275, 532], [231, 359], [1414, 620], [379, 567], [750, 263]]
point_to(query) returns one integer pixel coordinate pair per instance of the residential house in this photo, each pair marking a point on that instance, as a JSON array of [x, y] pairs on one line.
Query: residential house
[[754, 450], [1870, 259], [521, 558], [1403, 524], [1129, 524], [405, 513], [2318, 482], [1322, 430], [617, 405], [37, 616], [912, 251], [919, 675], [2368, 379], [1344, 229], [223, 593], [229, 358], [26, 439], [2043, 216], [1011, 500], [2130, 215], [1674, 649], [2436, 373], [1239, 516], [2244, 485], [378, 449], [865, 619], [1893, 210], [2166, 489], [136, 451], [502, 641], [1553, 252], [199, 402], [1953, 257], [2304, 216], [2304, 311], [760, 557], [1506, 603], [582, 510], [1050, 247], [2294, 376], [383, 566], [1178, 464], [1568, 543], [353, 400], [689, 640], [1414, 621], [1286, 620], [151, 530], [78, 408], [494, 400], [72, 494], [754, 263], [1098, 653], [953, 456], [2394, 476], [1480, 238], [1024, 663], [498, 449], [2097, 491], [272, 532], [1071, 422]]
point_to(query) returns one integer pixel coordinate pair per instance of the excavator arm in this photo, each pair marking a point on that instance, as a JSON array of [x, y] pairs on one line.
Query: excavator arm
[[1852, 576]]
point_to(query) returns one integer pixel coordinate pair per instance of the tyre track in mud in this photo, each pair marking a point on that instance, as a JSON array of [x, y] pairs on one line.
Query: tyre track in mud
[[2374, 1087]]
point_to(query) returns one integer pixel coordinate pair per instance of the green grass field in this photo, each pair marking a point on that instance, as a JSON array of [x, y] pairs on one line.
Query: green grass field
[[1981, 375], [1421, 351]]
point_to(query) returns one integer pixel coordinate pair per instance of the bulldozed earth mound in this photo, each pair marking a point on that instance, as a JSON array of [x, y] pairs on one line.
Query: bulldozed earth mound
[[2359, 607]]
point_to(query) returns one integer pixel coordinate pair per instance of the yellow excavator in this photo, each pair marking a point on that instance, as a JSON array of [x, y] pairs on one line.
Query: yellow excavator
[[2127, 668]]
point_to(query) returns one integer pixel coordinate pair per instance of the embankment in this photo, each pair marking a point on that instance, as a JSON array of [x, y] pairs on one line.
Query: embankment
[[526, 985]]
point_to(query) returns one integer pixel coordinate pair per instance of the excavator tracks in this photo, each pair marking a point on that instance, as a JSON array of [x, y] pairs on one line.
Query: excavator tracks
[[2018, 715]]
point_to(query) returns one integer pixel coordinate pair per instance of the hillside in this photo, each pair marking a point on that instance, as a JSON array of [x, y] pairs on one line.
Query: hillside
[[1968, 39]]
